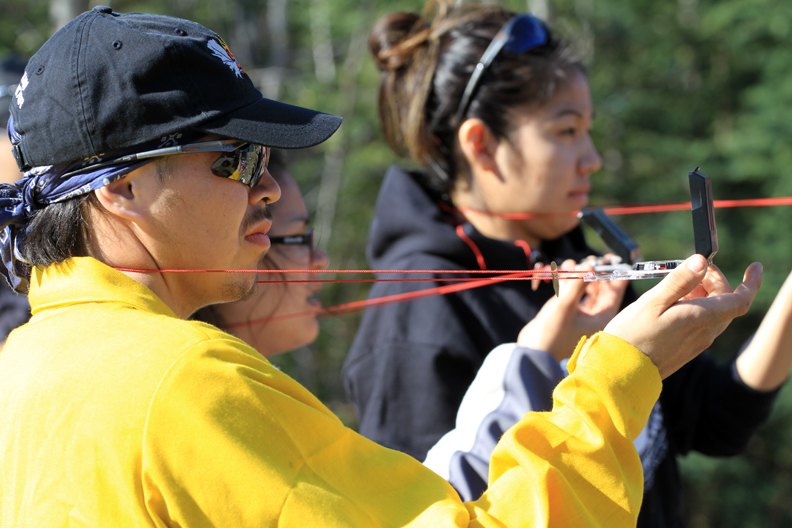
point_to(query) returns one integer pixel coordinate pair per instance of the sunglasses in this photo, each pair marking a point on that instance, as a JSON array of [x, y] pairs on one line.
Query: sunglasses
[[239, 161], [520, 34], [295, 240]]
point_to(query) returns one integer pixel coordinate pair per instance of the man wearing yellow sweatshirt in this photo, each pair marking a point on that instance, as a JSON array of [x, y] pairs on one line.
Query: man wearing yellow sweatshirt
[[144, 146]]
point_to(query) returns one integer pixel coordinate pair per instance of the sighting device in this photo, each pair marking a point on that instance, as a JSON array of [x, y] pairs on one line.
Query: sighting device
[[628, 265]]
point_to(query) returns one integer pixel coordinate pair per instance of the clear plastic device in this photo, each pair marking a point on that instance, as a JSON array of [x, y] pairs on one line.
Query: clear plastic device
[[704, 231]]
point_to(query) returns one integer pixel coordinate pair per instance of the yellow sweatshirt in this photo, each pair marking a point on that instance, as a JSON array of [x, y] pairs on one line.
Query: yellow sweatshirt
[[115, 413]]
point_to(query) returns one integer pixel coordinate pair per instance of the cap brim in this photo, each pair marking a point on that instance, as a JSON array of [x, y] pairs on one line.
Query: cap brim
[[274, 124]]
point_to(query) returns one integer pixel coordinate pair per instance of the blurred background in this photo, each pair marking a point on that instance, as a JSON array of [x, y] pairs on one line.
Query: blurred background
[[676, 84]]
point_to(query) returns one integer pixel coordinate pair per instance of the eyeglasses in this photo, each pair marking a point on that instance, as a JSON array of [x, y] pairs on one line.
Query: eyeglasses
[[295, 240], [240, 161], [518, 35]]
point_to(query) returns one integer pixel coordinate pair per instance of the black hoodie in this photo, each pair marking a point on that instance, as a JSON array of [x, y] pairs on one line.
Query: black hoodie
[[412, 362]]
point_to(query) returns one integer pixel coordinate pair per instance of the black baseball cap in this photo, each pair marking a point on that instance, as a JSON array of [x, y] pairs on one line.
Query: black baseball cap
[[108, 81]]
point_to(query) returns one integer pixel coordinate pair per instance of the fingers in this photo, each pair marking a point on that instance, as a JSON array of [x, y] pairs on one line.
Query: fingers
[[571, 289], [698, 291], [677, 284], [717, 311], [603, 296], [752, 281], [535, 282], [722, 309], [715, 282], [672, 332], [729, 305], [610, 295]]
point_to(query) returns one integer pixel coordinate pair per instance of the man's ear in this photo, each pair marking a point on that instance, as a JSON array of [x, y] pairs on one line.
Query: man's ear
[[125, 198], [479, 145]]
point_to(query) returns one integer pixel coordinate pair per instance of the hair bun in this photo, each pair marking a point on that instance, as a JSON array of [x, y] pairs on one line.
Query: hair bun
[[395, 37]]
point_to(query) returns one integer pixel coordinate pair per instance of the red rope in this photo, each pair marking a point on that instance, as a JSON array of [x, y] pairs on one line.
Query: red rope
[[540, 275], [639, 209], [357, 306], [488, 272], [473, 247], [526, 249], [466, 282]]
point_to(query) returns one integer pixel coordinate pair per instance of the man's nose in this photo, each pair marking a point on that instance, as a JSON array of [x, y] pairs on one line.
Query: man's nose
[[267, 189]]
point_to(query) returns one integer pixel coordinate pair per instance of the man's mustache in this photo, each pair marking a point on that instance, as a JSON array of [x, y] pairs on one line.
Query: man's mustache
[[256, 216]]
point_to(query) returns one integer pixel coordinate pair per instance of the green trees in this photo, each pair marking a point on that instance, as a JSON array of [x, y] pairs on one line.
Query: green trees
[[676, 84], [687, 83]]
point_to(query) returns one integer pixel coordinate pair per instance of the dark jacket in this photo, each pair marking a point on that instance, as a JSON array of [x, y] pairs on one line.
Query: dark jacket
[[412, 362]]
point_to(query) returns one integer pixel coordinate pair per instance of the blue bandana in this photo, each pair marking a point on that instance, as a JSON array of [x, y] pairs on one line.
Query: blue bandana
[[42, 186]]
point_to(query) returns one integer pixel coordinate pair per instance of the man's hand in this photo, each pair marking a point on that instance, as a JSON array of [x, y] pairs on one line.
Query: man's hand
[[680, 317], [563, 320]]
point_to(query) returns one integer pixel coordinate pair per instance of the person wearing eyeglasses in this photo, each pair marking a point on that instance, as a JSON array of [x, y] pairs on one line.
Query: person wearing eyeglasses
[[259, 320], [496, 110], [145, 186]]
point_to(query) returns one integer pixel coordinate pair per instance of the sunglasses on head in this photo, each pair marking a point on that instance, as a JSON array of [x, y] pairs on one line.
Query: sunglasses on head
[[239, 161], [520, 34]]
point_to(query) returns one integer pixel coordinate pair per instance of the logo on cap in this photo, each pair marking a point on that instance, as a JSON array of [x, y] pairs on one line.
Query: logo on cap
[[20, 98], [220, 50], [171, 140]]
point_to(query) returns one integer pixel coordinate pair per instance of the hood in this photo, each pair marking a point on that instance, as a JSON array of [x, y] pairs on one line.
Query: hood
[[410, 221], [407, 221]]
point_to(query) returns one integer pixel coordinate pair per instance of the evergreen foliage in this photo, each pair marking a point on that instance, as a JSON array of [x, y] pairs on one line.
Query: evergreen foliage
[[676, 84]]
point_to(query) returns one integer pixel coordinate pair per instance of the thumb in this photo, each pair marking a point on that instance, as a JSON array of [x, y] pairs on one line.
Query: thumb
[[679, 282]]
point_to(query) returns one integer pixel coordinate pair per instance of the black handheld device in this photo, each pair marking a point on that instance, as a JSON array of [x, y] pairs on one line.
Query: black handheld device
[[705, 236], [704, 232], [614, 236]]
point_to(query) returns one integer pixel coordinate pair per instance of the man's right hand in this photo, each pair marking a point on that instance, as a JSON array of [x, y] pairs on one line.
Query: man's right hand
[[680, 317]]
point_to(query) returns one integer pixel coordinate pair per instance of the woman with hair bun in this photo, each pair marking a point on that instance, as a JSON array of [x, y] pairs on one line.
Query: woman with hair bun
[[496, 111]]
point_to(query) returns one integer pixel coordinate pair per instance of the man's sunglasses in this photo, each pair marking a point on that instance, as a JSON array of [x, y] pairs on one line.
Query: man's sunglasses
[[518, 35], [305, 239], [239, 161]]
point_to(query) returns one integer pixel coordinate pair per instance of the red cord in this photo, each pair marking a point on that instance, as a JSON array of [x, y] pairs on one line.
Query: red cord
[[466, 282], [639, 209], [526, 249], [382, 301], [488, 272], [542, 274], [473, 247]]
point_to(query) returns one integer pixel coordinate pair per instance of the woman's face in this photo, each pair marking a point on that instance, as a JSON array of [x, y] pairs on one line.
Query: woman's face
[[545, 163], [289, 217]]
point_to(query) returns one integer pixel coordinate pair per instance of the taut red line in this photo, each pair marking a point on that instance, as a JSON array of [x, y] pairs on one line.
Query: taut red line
[[500, 274], [357, 306], [640, 209], [463, 283]]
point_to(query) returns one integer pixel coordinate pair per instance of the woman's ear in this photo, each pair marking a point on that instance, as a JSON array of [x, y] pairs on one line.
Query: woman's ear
[[124, 198], [479, 146]]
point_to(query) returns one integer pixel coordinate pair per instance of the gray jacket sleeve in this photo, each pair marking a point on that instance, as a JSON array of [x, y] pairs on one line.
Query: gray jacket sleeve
[[511, 382]]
